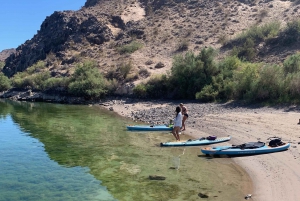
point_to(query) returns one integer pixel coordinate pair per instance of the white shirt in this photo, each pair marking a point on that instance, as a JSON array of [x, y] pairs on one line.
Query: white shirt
[[178, 120]]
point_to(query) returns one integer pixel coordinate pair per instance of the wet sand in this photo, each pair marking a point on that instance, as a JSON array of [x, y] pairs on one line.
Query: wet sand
[[276, 176]]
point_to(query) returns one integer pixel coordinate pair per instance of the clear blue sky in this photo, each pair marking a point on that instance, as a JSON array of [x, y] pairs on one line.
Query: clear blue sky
[[21, 19]]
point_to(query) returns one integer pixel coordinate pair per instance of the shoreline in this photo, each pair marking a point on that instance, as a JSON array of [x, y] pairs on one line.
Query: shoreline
[[268, 172]]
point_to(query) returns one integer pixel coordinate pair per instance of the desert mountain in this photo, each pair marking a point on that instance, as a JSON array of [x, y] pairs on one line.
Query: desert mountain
[[160, 28], [5, 53]]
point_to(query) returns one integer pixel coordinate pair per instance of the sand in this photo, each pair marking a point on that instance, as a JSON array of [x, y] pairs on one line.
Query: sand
[[276, 176]]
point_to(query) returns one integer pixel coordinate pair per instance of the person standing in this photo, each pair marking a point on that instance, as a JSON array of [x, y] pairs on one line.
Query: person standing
[[177, 123], [185, 115]]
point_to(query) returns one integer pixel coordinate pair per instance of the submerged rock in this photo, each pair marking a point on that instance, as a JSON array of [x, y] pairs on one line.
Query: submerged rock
[[156, 177], [201, 195]]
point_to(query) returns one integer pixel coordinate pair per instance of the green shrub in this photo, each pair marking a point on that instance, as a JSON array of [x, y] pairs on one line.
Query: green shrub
[[5, 83], [87, 81], [228, 65], [292, 64], [125, 68], [56, 83], [37, 67], [158, 86], [268, 85], [292, 86], [18, 80], [259, 33], [207, 94], [190, 73], [292, 32], [140, 91], [243, 81], [2, 64], [35, 81], [39, 79], [130, 48], [247, 51], [111, 85]]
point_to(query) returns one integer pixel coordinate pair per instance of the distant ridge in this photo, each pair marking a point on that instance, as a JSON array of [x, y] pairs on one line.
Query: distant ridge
[[5, 53]]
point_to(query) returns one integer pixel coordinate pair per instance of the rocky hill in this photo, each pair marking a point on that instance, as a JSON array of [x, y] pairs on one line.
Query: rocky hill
[[159, 29], [5, 53]]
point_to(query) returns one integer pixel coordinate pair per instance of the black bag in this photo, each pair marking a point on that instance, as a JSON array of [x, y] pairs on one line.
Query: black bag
[[275, 142], [212, 137]]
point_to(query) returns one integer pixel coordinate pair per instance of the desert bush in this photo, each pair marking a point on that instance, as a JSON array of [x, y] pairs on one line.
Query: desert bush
[[111, 85], [223, 39], [125, 68], [56, 83], [182, 45], [247, 51], [37, 67], [243, 80], [156, 87], [130, 48], [258, 33], [132, 77], [2, 64], [34, 81], [292, 86], [87, 81], [292, 64], [207, 94], [291, 33], [269, 84], [37, 80], [144, 72], [190, 73], [5, 83], [223, 82], [140, 91], [18, 80]]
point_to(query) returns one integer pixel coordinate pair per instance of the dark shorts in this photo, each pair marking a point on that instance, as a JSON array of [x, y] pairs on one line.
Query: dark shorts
[[186, 115]]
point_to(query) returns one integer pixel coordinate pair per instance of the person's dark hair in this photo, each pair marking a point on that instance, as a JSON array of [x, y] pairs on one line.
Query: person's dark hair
[[178, 109]]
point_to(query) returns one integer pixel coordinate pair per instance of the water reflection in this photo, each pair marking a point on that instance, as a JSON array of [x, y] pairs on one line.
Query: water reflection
[[93, 141]]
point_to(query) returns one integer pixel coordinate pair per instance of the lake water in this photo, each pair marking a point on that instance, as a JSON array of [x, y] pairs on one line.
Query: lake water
[[72, 152]]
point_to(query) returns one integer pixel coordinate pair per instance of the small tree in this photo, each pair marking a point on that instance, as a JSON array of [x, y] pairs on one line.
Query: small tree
[[87, 81], [4, 82]]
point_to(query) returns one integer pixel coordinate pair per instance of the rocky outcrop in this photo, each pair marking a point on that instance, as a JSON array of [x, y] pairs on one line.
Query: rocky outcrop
[[5, 53], [58, 32]]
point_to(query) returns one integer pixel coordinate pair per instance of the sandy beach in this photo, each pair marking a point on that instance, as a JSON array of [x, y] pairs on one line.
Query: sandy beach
[[276, 176]]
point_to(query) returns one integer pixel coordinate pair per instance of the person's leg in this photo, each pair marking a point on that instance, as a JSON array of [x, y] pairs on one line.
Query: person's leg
[[183, 122], [177, 133], [174, 132]]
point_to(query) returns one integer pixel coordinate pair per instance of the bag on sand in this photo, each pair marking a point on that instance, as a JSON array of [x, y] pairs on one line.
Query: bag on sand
[[275, 142], [212, 137]]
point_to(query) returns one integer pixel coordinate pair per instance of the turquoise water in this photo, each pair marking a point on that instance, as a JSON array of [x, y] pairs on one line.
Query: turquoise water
[[73, 152], [27, 173]]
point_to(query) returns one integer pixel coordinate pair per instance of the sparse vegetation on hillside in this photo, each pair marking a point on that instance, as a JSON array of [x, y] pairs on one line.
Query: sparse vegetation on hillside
[[292, 32], [130, 48], [245, 44]]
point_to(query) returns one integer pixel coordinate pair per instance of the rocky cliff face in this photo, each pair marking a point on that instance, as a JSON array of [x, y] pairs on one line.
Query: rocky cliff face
[[59, 32], [163, 27]]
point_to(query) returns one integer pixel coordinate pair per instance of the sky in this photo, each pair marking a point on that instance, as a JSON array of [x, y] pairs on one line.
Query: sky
[[21, 19]]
